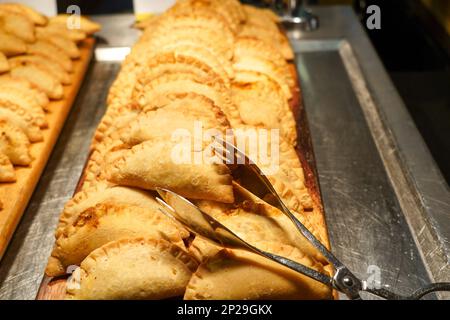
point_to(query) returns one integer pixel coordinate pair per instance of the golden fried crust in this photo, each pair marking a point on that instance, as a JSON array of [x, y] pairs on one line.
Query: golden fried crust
[[25, 10], [7, 173], [75, 35], [133, 269], [255, 90], [25, 88], [103, 193], [50, 66], [40, 78], [14, 144], [17, 24], [188, 113], [20, 118], [105, 222], [52, 52], [4, 65], [221, 277], [87, 26], [11, 45], [272, 38], [152, 164], [66, 45]]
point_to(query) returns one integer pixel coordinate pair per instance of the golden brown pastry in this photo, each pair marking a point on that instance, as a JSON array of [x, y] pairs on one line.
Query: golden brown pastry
[[40, 78], [248, 63], [150, 93], [51, 52], [66, 45], [228, 10], [14, 144], [255, 220], [25, 102], [7, 173], [17, 24], [25, 87], [19, 117], [174, 165], [11, 45], [184, 112], [60, 31], [4, 65], [25, 10], [50, 66], [132, 269], [206, 38], [273, 111], [103, 193], [103, 223], [271, 37], [242, 275]]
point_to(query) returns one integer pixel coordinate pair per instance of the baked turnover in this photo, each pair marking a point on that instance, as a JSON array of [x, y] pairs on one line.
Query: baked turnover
[[224, 65]]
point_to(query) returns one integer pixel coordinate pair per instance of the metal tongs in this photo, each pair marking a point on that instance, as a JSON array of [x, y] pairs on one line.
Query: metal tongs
[[201, 223]]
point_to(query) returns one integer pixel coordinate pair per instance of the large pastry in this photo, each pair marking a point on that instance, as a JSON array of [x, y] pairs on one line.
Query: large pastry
[[208, 66]]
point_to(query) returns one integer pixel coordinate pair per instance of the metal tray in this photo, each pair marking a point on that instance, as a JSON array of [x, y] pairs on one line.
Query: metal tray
[[386, 204]]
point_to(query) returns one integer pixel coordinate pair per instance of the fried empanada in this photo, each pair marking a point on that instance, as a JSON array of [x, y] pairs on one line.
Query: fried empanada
[[60, 31], [11, 45], [7, 173], [14, 144], [19, 117], [64, 44], [247, 46], [52, 52], [17, 24], [188, 112], [132, 269], [49, 65], [25, 87], [148, 94], [221, 277], [255, 220], [229, 10], [174, 165], [4, 65], [211, 22], [23, 9], [40, 78], [187, 60], [261, 14], [86, 25], [103, 223], [272, 38], [255, 64], [103, 193], [204, 37], [26, 103], [219, 64], [262, 104]]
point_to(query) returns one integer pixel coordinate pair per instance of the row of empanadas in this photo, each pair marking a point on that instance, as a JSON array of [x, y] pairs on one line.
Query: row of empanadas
[[35, 63], [203, 68]]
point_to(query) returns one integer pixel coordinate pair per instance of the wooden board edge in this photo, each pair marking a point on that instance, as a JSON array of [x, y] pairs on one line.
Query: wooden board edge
[[12, 212]]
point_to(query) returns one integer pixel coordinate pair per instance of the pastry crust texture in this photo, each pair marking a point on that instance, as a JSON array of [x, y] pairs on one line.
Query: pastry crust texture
[[142, 269], [202, 68]]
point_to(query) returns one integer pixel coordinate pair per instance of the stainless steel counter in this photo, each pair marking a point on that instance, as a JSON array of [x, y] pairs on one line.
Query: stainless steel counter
[[386, 203]]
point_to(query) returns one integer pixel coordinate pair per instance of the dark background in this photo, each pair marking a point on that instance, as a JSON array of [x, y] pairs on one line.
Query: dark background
[[414, 48]]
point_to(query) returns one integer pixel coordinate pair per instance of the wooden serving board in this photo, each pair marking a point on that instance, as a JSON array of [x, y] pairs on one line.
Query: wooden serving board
[[15, 196]]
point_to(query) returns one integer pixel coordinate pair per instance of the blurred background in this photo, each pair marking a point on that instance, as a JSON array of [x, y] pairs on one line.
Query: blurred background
[[413, 43]]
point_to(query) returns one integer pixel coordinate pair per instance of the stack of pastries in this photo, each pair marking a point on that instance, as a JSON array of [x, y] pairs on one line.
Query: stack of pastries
[[225, 65], [36, 56]]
